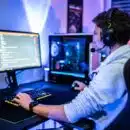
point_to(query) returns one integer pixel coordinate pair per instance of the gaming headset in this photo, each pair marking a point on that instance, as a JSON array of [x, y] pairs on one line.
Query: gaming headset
[[107, 35]]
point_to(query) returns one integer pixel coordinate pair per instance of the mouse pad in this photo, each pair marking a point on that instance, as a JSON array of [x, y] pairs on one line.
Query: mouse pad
[[15, 114]]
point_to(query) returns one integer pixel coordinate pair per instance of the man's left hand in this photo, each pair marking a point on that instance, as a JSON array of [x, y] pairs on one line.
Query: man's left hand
[[23, 100]]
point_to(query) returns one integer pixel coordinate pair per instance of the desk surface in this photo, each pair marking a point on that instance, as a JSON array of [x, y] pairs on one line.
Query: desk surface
[[13, 118]]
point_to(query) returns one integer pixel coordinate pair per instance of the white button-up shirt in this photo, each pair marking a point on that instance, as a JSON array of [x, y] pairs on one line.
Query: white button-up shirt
[[106, 95]]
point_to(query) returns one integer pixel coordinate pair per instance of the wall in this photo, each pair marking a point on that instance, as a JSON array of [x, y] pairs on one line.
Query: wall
[[12, 20], [107, 4], [45, 17], [91, 9]]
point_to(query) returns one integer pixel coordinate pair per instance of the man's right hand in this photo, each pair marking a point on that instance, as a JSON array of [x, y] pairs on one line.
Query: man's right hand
[[80, 87]]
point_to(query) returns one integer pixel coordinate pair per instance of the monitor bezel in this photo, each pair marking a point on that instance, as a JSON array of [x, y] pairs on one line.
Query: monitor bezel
[[39, 46]]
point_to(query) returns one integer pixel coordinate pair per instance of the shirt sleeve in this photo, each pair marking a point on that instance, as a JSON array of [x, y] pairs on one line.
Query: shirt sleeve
[[105, 88]]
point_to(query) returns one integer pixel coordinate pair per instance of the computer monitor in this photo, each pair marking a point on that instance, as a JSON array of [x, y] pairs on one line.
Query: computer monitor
[[69, 57], [18, 50]]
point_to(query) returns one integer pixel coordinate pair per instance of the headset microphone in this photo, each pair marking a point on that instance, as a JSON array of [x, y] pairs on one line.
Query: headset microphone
[[96, 50], [93, 50]]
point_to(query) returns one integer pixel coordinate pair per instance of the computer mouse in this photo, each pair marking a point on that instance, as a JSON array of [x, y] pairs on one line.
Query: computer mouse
[[74, 85]]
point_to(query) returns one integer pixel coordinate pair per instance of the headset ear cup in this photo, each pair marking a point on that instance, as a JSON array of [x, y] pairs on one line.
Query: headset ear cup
[[101, 35], [108, 37], [105, 38]]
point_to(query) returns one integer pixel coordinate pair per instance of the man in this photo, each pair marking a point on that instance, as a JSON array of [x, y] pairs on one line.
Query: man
[[106, 95]]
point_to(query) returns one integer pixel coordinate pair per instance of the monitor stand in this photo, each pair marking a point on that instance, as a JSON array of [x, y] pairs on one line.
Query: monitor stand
[[12, 85], [12, 80]]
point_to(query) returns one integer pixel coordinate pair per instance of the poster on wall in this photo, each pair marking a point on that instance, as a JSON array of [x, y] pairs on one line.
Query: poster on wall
[[75, 12]]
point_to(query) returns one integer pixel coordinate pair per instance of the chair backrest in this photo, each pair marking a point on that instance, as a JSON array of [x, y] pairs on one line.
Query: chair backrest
[[122, 120], [127, 74]]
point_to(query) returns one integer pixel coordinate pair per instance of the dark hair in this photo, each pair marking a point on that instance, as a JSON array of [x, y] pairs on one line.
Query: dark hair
[[120, 23]]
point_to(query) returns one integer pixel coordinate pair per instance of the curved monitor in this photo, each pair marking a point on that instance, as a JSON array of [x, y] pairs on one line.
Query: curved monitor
[[69, 56], [19, 50]]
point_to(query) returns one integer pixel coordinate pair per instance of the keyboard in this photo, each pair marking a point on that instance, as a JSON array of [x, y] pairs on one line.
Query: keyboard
[[36, 94]]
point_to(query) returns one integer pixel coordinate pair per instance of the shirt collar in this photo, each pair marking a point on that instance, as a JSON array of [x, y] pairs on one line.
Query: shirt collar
[[117, 54]]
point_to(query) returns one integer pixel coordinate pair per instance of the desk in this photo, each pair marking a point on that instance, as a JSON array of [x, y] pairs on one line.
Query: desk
[[16, 118]]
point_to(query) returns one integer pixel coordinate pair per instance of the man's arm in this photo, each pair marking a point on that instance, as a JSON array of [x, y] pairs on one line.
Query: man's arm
[[55, 112]]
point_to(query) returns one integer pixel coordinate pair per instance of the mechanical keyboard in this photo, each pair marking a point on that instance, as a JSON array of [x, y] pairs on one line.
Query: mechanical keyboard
[[36, 94]]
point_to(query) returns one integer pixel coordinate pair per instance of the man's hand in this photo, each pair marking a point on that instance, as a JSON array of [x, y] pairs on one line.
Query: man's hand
[[80, 84], [23, 100]]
